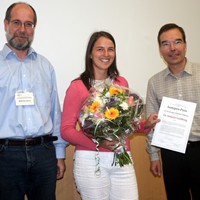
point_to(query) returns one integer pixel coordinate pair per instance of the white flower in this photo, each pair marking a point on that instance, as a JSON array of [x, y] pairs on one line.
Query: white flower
[[108, 94], [124, 106]]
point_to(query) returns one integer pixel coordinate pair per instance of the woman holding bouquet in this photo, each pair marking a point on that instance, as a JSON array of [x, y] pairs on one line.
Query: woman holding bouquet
[[110, 182]]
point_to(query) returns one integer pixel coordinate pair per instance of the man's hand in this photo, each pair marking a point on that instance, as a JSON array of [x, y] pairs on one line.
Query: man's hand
[[156, 168], [61, 168]]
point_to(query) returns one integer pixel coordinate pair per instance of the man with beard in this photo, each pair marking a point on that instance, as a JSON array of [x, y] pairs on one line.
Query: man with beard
[[180, 80], [31, 149]]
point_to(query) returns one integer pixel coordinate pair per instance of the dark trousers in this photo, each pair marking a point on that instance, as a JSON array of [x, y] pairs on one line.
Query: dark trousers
[[28, 170], [182, 173]]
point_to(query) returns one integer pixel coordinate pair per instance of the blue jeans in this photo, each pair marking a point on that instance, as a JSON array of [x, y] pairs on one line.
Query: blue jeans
[[28, 170]]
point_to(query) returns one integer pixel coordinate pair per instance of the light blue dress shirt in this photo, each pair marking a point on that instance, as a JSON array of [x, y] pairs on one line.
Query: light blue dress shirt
[[34, 74]]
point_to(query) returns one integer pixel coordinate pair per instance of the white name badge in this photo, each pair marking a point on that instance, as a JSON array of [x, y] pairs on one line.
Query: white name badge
[[24, 98]]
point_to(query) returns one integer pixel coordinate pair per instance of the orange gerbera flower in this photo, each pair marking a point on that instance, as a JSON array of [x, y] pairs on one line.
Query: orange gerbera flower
[[94, 106], [115, 91], [112, 113]]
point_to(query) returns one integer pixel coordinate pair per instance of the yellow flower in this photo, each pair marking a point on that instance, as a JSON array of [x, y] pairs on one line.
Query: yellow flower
[[112, 113], [94, 106], [114, 90]]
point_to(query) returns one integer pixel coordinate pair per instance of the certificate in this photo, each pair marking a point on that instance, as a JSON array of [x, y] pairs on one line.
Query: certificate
[[172, 132]]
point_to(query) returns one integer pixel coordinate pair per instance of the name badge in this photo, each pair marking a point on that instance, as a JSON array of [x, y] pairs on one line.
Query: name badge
[[24, 98]]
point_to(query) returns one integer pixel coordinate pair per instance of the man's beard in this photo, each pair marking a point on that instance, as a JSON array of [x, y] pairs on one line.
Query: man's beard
[[18, 45]]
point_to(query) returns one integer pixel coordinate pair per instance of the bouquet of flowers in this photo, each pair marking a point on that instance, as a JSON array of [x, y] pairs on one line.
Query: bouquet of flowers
[[112, 113]]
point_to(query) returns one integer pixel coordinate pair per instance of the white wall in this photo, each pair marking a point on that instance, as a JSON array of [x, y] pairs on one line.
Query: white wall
[[64, 27]]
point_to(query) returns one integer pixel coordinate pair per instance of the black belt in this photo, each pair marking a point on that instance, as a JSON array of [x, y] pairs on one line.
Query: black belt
[[193, 144], [29, 141]]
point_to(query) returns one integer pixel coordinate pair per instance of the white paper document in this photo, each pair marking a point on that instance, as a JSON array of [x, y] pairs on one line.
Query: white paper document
[[172, 132]]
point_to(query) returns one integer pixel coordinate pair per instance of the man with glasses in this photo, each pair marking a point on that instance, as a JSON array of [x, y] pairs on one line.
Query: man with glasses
[[180, 80], [31, 149]]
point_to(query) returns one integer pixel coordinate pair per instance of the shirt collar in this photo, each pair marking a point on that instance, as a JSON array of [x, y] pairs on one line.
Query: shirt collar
[[187, 69], [8, 52]]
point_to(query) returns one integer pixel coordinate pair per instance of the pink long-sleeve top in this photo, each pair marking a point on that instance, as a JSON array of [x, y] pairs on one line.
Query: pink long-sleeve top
[[75, 96]]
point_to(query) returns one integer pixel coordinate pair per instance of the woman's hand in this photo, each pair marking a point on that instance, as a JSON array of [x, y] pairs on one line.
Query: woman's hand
[[151, 121], [111, 145]]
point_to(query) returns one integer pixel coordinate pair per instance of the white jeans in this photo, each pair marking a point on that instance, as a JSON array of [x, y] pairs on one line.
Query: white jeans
[[113, 183]]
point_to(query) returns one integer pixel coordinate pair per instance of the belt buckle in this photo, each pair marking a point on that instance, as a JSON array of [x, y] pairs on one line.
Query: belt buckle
[[28, 142]]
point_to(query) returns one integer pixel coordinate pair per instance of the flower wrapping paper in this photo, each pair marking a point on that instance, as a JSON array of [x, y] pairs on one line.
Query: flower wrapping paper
[[112, 113]]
